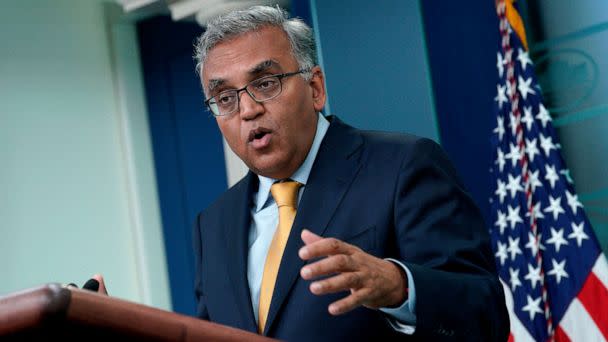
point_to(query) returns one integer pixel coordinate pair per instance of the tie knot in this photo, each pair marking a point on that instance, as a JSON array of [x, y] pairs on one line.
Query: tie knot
[[285, 193]]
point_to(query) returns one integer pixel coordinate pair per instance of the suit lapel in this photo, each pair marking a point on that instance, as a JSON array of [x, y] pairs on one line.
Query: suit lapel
[[236, 236], [333, 171]]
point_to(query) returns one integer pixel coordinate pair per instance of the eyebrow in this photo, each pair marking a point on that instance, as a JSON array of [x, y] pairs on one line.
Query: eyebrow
[[257, 69], [214, 83], [263, 66]]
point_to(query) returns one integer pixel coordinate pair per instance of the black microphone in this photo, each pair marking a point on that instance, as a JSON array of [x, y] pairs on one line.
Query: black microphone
[[91, 285]]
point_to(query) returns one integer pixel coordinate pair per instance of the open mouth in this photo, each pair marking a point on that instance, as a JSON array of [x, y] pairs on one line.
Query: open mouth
[[259, 137], [258, 134]]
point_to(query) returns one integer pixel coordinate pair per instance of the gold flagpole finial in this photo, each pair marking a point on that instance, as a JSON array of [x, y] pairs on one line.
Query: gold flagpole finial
[[516, 22]]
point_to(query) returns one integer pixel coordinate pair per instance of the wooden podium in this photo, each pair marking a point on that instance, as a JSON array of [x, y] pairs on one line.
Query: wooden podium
[[52, 312]]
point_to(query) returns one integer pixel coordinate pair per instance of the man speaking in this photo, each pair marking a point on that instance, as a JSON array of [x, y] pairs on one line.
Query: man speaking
[[335, 233]]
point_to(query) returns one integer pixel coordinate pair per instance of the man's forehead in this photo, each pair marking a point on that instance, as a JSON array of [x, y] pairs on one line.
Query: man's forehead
[[249, 49]]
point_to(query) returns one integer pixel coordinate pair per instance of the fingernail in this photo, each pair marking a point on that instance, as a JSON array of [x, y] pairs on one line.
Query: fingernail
[[305, 272], [315, 287], [303, 253]]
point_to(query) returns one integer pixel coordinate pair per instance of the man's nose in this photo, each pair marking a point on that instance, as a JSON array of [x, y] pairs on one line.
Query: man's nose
[[248, 107]]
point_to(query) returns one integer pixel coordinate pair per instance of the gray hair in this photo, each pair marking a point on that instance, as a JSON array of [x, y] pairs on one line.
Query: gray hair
[[235, 23]]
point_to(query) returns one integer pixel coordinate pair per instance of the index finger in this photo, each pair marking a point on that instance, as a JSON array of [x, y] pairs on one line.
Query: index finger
[[325, 247]]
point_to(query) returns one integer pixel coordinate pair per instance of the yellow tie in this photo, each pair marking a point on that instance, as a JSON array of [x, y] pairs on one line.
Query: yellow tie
[[285, 194]]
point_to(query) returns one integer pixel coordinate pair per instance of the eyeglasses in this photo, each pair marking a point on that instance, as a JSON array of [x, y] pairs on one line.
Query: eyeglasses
[[261, 89]]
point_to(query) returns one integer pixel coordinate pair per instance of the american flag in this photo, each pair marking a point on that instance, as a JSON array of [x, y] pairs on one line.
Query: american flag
[[551, 265]]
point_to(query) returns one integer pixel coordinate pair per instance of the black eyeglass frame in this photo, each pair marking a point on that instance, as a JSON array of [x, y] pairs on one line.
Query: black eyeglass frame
[[280, 77]]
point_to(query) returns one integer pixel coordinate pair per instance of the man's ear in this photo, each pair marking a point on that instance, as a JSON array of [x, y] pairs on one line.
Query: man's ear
[[317, 83]]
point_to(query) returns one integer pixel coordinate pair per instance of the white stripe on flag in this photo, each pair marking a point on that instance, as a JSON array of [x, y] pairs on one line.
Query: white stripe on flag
[[519, 332], [601, 269], [578, 325]]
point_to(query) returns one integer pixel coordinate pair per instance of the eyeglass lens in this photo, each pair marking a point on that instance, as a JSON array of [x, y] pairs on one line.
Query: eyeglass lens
[[262, 89]]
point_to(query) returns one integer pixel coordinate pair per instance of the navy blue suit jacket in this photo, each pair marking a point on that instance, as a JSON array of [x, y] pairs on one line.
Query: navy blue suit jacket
[[393, 195]]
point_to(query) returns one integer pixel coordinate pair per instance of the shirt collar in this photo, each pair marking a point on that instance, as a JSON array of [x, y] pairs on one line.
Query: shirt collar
[[301, 174]]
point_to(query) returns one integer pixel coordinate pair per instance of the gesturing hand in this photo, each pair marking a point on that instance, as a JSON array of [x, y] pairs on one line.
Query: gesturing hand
[[372, 282]]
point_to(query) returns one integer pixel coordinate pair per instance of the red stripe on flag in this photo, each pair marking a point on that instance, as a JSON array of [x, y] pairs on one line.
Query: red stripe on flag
[[594, 297], [560, 335], [511, 338]]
